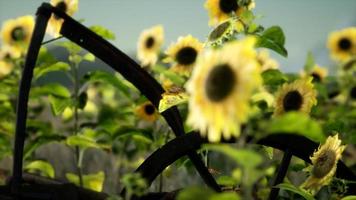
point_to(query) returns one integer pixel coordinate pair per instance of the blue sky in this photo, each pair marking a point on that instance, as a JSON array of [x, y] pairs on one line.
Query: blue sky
[[306, 23]]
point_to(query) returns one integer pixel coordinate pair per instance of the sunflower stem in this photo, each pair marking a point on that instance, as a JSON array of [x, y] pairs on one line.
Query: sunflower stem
[[281, 173], [78, 154], [160, 188]]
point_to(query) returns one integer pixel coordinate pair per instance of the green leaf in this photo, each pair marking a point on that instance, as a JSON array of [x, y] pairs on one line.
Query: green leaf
[[273, 38], [349, 198], [45, 69], [54, 89], [226, 181], [244, 157], [194, 193], [172, 99], [45, 58], [273, 77], [106, 77], [174, 77], [247, 16], [128, 131], [42, 166], [103, 32], [75, 58], [91, 181], [32, 145], [225, 196], [309, 62], [296, 123], [292, 188], [70, 46], [84, 141], [89, 57], [58, 105]]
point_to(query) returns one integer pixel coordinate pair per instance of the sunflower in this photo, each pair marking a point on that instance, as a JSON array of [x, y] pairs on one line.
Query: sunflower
[[223, 32], [318, 73], [220, 88], [183, 54], [324, 162], [55, 23], [296, 96], [8, 53], [5, 68], [266, 61], [147, 112], [16, 33], [221, 10], [149, 45], [342, 44]]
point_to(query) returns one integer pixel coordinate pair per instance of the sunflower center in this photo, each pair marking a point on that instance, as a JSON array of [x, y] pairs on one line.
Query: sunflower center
[[324, 163], [18, 33], [344, 44], [292, 101], [186, 56], [150, 42], [316, 77], [228, 6], [7, 56], [220, 83], [353, 92], [149, 109], [219, 31], [62, 6]]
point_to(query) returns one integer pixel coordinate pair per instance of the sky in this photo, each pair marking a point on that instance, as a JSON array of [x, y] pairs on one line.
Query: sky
[[306, 23]]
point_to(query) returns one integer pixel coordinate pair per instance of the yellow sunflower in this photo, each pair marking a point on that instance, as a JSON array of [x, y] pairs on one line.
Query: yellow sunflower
[[324, 162], [220, 88], [147, 112], [55, 23], [266, 61], [223, 32], [5, 68], [183, 54], [149, 45], [299, 95], [8, 53], [17, 33], [342, 44], [221, 10], [318, 73]]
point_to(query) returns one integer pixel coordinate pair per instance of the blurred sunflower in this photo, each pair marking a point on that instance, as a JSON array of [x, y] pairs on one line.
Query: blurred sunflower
[[8, 53], [324, 162], [16, 33], [220, 88], [266, 61], [296, 96], [318, 73], [5, 68], [55, 23], [342, 44], [183, 54], [221, 10], [149, 45], [223, 32], [147, 112]]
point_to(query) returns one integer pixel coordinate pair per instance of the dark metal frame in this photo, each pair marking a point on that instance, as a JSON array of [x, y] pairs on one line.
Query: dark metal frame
[[112, 56], [183, 144]]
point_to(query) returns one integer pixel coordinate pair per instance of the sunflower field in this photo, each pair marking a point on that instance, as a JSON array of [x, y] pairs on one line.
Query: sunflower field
[[191, 119]]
